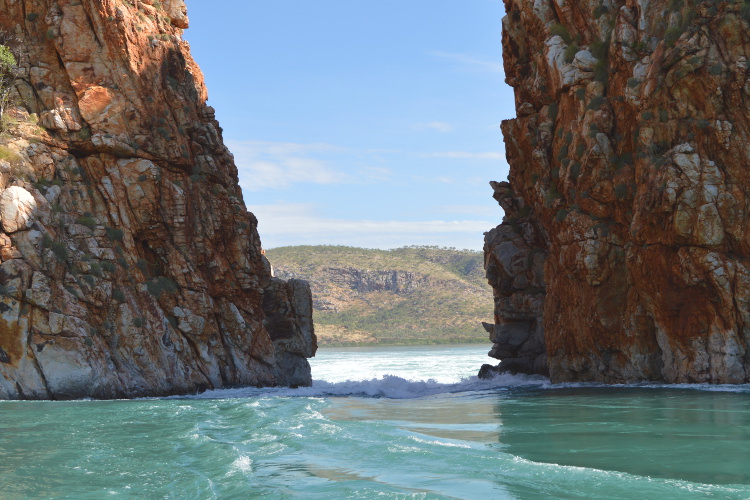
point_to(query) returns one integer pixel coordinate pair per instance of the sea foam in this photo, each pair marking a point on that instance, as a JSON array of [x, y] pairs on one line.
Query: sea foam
[[387, 386], [395, 387]]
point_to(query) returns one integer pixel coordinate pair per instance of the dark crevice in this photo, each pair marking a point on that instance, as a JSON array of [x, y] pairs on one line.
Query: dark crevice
[[198, 360], [94, 31]]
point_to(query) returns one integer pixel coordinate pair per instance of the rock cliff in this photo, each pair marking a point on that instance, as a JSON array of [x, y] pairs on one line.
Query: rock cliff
[[130, 264], [625, 243]]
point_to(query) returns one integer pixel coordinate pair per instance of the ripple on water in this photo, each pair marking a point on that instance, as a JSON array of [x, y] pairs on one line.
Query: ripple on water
[[395, 436]]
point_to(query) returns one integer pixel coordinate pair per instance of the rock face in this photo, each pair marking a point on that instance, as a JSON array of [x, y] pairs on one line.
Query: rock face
[[130, 265], [515, 253], [379, 280], [630, 173]]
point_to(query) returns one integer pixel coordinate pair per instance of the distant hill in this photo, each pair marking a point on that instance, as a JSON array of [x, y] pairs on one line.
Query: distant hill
[[410, 295]]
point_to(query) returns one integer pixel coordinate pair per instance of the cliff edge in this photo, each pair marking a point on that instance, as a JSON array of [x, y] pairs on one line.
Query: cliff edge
[[130, 264], [624, 254]]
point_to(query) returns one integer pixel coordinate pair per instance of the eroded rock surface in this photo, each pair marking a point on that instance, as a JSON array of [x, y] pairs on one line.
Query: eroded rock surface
[[514, 260], [130, 264], [630, 163]]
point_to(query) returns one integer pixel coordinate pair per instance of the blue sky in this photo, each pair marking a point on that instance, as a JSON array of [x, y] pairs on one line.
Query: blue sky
[[371, 124]]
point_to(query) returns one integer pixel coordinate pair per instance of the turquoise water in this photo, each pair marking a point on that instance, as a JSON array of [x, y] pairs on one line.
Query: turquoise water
[[374, 426]]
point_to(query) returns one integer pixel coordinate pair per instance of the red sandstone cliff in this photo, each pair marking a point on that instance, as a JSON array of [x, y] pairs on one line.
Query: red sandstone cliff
[[624, 254], [130, 264]]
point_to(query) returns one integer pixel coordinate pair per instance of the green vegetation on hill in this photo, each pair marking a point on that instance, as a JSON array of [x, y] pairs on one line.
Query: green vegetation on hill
[[410, 295]]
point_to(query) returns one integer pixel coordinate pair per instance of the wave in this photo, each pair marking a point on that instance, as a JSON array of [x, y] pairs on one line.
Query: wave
[[388, 386], [591, 474], [395, 387]]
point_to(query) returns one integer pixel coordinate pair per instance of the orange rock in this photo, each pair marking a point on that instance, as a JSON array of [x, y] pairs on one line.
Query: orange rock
[[629, 159], [131, 266]]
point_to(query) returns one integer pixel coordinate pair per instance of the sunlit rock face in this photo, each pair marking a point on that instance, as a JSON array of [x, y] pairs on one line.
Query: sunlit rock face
[[630, 174], [130, 264]]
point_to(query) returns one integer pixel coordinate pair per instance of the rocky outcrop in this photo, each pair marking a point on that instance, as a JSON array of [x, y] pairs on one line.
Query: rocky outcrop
[[130, 264], [288, 309], [514, 260], [365, 280], [629, 167]]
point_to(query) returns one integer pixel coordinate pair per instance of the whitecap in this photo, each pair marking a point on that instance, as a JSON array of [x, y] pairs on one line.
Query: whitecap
[[387, 386], [243, 464], [440, 443]]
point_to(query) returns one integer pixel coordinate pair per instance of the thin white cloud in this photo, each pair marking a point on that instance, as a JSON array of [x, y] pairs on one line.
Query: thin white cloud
[[437, 126], [492, 66], [276, 165], [467, 155], [273, 165], [295, 224], [375, 174], [488, 210], [284, 148]]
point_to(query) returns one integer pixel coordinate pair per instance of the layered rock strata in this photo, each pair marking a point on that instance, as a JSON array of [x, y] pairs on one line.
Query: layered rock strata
[[515, 254], [630, 171], [130, 264]]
